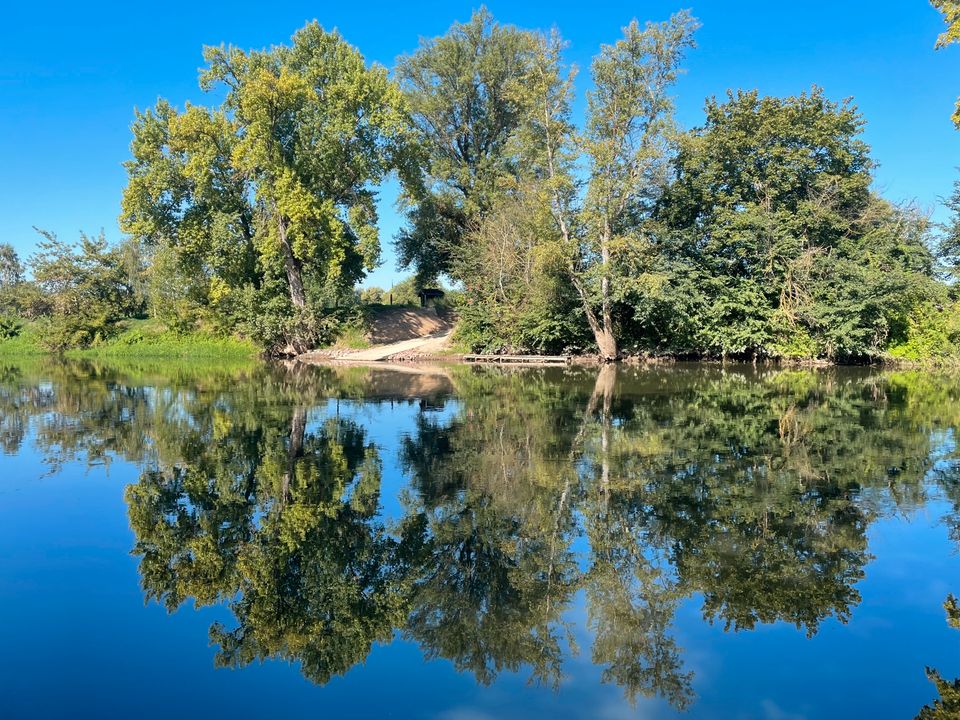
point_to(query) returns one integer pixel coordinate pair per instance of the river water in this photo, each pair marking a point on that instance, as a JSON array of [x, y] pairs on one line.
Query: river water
[[465, 543]]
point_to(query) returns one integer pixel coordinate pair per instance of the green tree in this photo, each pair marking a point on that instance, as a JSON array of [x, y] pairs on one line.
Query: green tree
[[273, 192], [949, 247], [11, 268], [12, 290], [317, 127], [188, 203], [466, 100], [372, 295], [517, 294], [625, 145], [89, 288], [773, 241], [405, 292]]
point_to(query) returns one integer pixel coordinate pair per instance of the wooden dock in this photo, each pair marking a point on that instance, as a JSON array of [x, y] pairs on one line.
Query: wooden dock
[[519, 359]]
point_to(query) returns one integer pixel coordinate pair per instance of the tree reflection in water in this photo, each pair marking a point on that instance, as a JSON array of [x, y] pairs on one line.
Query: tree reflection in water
[[639, 488], [947, 704]]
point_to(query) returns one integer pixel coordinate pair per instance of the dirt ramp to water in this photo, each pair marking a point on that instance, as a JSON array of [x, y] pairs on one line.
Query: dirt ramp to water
[[397, 324]]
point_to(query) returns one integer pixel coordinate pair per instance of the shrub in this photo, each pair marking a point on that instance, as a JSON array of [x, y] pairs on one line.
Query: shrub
[[67, 332], [933, 332], [10, 327]]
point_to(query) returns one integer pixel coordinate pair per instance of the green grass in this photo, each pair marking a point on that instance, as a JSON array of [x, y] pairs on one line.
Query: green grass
[[353, 338], [25, 344], [140, 339]]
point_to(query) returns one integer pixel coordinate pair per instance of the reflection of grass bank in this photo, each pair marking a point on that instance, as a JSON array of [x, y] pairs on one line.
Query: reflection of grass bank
[[138, 339], [153, 371]]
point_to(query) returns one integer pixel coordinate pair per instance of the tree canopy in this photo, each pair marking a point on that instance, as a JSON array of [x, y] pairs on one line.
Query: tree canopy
[[774, 242], [467, 98], [268, 201]]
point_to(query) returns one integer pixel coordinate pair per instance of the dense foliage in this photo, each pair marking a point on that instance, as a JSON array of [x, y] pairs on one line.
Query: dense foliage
[[78, 293], [772, 243], [466, 100], [757, 234], [262, 210]]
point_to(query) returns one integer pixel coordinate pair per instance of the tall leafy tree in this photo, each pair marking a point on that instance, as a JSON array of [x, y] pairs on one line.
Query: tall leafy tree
[[275, 189], [187, 201], [317, 127], [774, 242], [625, 147], [466, 100]]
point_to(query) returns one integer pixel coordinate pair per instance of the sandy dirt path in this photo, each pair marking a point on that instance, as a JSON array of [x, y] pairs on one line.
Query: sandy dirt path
[[395, 331], [428, 343]]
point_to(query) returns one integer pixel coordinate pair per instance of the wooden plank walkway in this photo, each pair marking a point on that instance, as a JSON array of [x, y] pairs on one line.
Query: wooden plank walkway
[[519, 359]]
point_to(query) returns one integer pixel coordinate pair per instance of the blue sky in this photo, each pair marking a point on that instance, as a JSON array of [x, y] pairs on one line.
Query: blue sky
[[71, 74]]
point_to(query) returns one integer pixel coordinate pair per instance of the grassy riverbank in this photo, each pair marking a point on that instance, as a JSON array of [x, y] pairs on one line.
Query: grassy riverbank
[[138, 339], [151, 340]]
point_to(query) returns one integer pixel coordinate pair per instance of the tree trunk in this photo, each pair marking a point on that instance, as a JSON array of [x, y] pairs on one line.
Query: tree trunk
[[602, 333], [606, 341], [293, 267]]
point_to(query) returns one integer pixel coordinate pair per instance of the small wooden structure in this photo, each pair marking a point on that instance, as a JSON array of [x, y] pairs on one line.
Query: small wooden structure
[[429, 297], [519, 359]]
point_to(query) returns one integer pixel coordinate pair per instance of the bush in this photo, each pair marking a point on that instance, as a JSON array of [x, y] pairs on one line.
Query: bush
[[68, 332], [280, 330], [10, 327], [320, 327], [933, 332]]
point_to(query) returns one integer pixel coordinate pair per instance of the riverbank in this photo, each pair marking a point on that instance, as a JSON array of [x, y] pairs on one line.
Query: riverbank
[[139, 339], [150, 339]]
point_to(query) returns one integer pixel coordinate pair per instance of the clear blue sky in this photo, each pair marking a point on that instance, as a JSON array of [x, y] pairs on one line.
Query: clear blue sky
[[71, 74]]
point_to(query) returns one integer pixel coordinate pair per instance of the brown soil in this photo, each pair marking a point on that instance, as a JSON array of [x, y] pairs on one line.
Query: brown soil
[[392, 325]]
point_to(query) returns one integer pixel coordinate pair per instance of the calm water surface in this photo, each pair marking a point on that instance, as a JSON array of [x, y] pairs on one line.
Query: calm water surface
[[469, 543]]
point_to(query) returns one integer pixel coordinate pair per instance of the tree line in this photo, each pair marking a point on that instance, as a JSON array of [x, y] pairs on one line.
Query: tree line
[[757, 234]]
